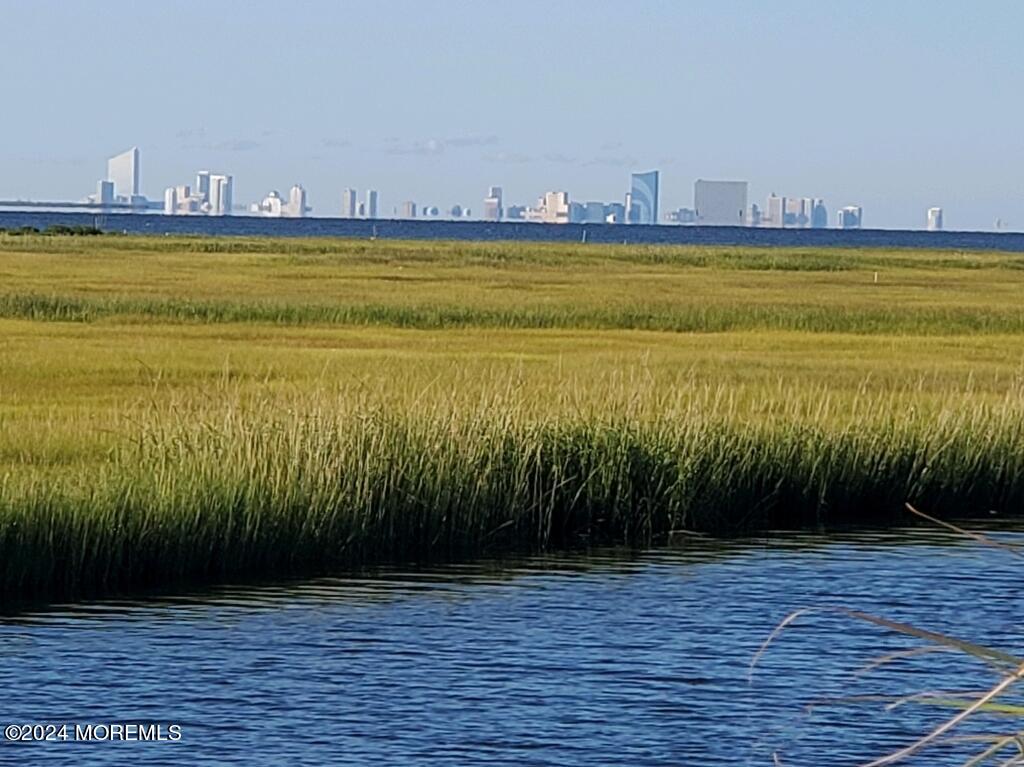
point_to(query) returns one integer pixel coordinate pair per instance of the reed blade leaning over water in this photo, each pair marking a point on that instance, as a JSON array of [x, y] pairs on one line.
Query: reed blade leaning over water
[[1001, 704]]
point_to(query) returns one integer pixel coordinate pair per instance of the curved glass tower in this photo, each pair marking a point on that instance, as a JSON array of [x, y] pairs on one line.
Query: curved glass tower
[[643, 198]]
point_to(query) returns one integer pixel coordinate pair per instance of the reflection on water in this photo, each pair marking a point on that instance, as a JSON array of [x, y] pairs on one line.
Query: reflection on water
[[610, 658]]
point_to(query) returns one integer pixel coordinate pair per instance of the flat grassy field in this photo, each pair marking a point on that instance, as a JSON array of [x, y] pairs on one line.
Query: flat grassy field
[[180, 409]]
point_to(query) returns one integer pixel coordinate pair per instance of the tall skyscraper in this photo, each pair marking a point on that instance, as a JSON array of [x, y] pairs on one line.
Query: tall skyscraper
[[371, 203], [170, 201], [203, 185], [934, 219], [297, 202], [123, 170], [643, 198], [493, 204], [220, 195], [349, 203], [819, 215], [775, 212], [850, 217], [720, 203]]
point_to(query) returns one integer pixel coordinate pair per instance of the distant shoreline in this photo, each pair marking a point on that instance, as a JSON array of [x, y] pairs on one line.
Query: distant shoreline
[[516, 231]]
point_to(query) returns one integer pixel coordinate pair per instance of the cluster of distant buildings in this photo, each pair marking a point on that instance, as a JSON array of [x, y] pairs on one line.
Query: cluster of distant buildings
[[715, 203], [276, 206], [640, 206], [121, 186], [213, 195]]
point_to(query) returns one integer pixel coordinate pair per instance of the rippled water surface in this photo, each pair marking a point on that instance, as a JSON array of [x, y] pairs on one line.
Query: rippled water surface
[[618, 658], [432, 229]]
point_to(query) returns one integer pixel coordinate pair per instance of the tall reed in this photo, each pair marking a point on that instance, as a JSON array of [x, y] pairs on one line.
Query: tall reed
[[320, 484]]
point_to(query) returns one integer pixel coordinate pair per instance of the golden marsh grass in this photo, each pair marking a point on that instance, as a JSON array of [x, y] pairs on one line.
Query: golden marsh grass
[[176, 409]]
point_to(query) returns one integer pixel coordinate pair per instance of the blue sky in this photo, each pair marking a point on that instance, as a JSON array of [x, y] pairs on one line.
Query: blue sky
[[893, 105]]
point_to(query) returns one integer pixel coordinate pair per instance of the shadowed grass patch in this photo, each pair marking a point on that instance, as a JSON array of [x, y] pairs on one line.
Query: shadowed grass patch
[[683, 319]]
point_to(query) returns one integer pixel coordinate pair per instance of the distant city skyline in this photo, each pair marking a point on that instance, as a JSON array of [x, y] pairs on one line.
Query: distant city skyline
[[883, 142], [715, 203]]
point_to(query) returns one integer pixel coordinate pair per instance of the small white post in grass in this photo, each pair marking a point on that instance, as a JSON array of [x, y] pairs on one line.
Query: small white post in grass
[[876, 278]]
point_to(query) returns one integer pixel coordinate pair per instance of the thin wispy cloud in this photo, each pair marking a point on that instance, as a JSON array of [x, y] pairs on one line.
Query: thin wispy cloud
[[460, 142], [236, 145], [336, 143], [605, 159], [612, 161], [436, 146], [190, 134], [510, 158], [197, 139], [57, 160], [558, 158]]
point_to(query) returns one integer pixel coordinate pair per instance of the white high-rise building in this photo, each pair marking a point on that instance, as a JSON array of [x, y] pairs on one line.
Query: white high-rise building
[[934, 219], [493, 204], [297, 202], [171, 201], [371, 203], [552, 208], [203, 185], [819, 215], [123, 170], [720, 203], [349, 203], [775, 212], [220, 197]]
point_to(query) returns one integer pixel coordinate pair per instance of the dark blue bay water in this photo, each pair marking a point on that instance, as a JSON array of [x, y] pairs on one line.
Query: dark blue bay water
[[479, 230], [606, 659]]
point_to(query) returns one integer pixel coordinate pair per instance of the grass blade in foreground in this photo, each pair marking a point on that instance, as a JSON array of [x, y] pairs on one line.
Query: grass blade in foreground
[[966, 707]]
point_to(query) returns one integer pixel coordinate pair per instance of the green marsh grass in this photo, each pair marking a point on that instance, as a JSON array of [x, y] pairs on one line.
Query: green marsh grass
[[314, 485], [677, 319], [181, 410]]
